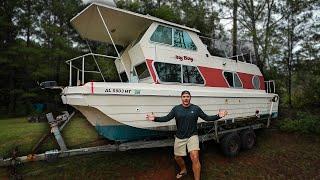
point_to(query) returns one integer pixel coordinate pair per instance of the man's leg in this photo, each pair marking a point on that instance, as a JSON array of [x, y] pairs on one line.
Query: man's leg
[[181, 164], [196, 166], [180, 151]]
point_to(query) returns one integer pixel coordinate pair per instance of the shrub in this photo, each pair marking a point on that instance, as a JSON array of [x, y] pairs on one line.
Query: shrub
[[303, 123]]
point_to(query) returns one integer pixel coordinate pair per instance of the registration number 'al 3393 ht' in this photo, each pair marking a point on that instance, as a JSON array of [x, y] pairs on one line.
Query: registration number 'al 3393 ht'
[[120, 91]]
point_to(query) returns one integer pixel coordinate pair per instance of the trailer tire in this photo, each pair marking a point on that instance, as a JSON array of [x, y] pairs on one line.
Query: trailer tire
[[248, 139], [231, 144]]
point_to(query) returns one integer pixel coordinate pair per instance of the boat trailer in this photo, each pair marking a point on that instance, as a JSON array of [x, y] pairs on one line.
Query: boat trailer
[[57, 125]]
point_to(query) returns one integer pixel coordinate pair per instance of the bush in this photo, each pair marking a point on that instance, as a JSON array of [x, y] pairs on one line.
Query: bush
[[303, 123]]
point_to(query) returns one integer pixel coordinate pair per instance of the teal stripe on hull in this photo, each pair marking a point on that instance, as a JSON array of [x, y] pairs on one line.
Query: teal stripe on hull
[[128, 133]]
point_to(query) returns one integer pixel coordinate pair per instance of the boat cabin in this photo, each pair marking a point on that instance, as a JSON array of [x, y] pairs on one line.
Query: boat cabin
[[161, 52]]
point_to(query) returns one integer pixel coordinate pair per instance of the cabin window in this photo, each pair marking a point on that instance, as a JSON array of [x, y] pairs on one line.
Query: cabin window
[[162, 34], [168, 72], [179, 39], [192, 75], [229, 78], [124, 77], [233, 79], [142, 71], [237, 81], [183, 40], [256, 82]]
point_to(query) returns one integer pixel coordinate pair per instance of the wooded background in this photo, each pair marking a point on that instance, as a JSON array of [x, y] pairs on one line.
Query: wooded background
[[37, 38]]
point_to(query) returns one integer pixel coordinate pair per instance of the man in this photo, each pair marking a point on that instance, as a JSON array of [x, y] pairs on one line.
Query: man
[[186, 115]]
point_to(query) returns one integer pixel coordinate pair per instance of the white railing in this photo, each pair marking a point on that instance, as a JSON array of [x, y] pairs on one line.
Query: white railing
[[241, 57], [82, 68], [270, 86]]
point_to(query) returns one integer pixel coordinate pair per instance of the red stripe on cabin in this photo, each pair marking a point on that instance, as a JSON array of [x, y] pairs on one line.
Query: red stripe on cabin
[[213, 77], [262, 86], [153, 74], [246, 80]]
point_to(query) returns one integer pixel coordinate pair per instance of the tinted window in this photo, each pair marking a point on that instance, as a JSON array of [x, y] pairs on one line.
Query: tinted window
[[233, 79], [183, 40], [256, 82], [124, 77], [168, 72], [142, 71], [162, 35], [229, 78], [192, 75], [237, 82]]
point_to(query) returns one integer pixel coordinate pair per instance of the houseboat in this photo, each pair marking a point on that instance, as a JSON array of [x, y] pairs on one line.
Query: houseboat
[[159, 60]]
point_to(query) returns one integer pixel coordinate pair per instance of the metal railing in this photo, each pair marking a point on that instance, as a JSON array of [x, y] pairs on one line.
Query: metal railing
[[241, 57], [82, 68], [270, 86]]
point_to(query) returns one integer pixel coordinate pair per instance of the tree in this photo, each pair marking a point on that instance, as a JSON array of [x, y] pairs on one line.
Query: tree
[[250, 14], [234, 28], [9, 32]]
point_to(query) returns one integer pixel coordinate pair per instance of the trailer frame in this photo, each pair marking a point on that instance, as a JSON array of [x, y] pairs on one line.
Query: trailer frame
[[216, 133]]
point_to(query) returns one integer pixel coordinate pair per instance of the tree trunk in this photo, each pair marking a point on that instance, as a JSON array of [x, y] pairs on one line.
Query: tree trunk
[[290, 55], [235, 28], [255, 38], [267, 33], [29, 22], [256, 46], [158, 3]]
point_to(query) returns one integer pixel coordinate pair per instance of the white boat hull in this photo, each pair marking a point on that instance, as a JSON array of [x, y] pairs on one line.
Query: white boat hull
[[128, 103]]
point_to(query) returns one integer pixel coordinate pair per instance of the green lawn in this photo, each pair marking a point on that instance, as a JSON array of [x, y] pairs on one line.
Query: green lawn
[[277, 155], [19, 132]]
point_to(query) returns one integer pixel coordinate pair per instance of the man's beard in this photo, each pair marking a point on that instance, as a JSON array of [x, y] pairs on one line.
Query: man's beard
[[186, 102]]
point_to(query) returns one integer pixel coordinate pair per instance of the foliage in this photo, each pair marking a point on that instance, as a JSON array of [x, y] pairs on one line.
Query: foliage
[[303, 123], [36, 38]]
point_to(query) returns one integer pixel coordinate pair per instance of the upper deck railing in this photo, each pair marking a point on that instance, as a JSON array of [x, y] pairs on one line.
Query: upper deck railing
[[270, 86], [83, 70], [242, 57]]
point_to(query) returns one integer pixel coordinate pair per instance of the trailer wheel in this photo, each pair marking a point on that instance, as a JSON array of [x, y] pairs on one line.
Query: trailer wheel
[[248, 139], [230, 144]]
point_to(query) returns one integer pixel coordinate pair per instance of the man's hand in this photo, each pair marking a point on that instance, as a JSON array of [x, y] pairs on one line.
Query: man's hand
[[222, 113], [150, 117]]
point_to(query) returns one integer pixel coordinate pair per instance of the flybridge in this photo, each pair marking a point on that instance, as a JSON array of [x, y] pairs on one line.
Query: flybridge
[[92, 21]]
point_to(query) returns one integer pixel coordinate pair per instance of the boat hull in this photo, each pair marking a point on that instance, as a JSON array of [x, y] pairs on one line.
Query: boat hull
[[118, 110]]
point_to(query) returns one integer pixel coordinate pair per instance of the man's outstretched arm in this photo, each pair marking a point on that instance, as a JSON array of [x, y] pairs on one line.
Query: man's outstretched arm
[[166, 118], [205, 117]]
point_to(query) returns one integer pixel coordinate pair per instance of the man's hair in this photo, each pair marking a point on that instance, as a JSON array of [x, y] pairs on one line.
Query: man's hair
[[185, 92]]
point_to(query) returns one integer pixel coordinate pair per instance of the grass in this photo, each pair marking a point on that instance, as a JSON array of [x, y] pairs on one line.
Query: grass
[[18, 132], [277, 155]]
